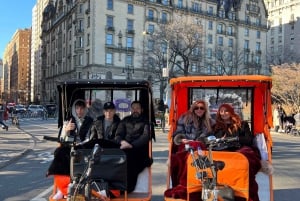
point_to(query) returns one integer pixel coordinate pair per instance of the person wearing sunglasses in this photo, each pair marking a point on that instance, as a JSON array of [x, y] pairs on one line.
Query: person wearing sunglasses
[[195, 124], [192, 127]]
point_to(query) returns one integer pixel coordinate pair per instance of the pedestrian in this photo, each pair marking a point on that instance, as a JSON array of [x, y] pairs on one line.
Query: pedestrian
[[229, 124], [133, 135], [282, 115], [2, 117], [276, 119], [191, 129]]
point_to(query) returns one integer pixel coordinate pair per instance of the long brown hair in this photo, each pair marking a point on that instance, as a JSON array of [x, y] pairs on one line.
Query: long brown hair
[[191, 116], [234, 119]]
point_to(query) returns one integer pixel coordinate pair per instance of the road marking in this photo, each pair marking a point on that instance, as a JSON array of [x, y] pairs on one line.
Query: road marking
[[41, 196]]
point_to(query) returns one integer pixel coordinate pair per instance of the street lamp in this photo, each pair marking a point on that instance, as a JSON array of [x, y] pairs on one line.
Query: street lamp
[[165, 71]]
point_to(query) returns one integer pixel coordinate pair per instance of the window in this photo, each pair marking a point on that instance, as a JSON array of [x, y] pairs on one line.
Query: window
[[209, 39], [257, 46], [196, 7], [257, 59], [87, 57], [258, 34], [196, 51], [230, 42], [246, 44], [220, 41], [110, 5], [129, 42], [220, 28], [230, 56], [246, 58], [230, 30], [88, 39], [210, 10], [130, 25], [210, 25], [129, 60], [150, 28], [109, 39], [247, 19], [130, 9], [165, 2], [246, 32], [109, 58], [164, 17], [109, 21], [219, 54], [150, 45], [150, 15], [194, 67], [209, 53], [179, 4]]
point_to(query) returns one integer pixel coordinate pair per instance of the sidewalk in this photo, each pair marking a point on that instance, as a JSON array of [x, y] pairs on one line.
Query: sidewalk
[[14, 143]]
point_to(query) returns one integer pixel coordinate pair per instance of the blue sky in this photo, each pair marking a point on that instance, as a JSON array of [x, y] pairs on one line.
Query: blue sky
[[14, 14]]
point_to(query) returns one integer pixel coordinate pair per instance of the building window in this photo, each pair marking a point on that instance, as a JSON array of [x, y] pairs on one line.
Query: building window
[[220, 41], [219, 54], [230, 42], [150, 15], [194, 68], [210, 25], [129, 60], [257, 34], [109, 58], [109, 39], [247, 19], [150, 44], [164, 17], [179, 4], [209, 39], [230, 30], [165, 2], [246, 44], [130, 25], [209, 53], [150, 28], [130, 9], [87, 57], [88, 38], [220, 28], [210, 10], [246, 32], [129, 42], [109, 21], [196, 7], [258, 46], [110, 5], [230, 56]]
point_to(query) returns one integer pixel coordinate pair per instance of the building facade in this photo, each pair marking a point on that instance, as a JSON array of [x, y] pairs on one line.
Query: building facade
[[103, 39], [16, 67], [284, 33]]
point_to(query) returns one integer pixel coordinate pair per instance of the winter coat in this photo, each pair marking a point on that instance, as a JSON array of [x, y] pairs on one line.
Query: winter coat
[[134, 130], [98, 131]]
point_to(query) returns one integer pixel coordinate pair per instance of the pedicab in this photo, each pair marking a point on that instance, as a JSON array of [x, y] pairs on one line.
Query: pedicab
[[88, 173], [211, 174]]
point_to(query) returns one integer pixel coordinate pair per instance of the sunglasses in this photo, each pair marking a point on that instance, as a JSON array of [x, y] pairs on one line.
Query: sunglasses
[[199, 108]]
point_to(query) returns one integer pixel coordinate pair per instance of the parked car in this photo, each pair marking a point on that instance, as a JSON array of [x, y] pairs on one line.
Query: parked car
[[19, 109], [36, 109]]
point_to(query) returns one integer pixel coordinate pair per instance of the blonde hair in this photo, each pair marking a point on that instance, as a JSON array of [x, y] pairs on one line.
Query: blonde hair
[[191, 116]]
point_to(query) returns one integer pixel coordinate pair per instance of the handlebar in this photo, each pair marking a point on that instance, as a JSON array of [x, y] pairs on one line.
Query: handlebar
[[54, 139]]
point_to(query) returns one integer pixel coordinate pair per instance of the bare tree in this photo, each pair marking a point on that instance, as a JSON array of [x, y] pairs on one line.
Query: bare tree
[[286, 85], [173, 45]]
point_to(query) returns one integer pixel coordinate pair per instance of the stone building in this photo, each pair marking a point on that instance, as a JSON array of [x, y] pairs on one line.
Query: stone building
[[93, 39], [284, 31]]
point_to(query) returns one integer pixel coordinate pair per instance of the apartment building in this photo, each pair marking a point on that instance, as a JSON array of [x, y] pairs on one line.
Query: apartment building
[[104, 39], [284, 31], [16, 65]]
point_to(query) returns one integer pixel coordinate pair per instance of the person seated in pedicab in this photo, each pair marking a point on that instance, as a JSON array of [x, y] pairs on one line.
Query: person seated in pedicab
[[192, 127], [103, 129], [76, 127], [229, 124], [132, 135]]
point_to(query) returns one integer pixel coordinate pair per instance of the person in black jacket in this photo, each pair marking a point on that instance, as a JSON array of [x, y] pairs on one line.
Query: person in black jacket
[[104, 128], [133, 135]]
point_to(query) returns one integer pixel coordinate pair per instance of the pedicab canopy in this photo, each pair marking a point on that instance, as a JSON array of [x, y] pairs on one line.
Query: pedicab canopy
[[250, 95]]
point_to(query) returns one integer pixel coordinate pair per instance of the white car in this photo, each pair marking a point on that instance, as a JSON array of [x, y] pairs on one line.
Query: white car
[[36, 109]]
